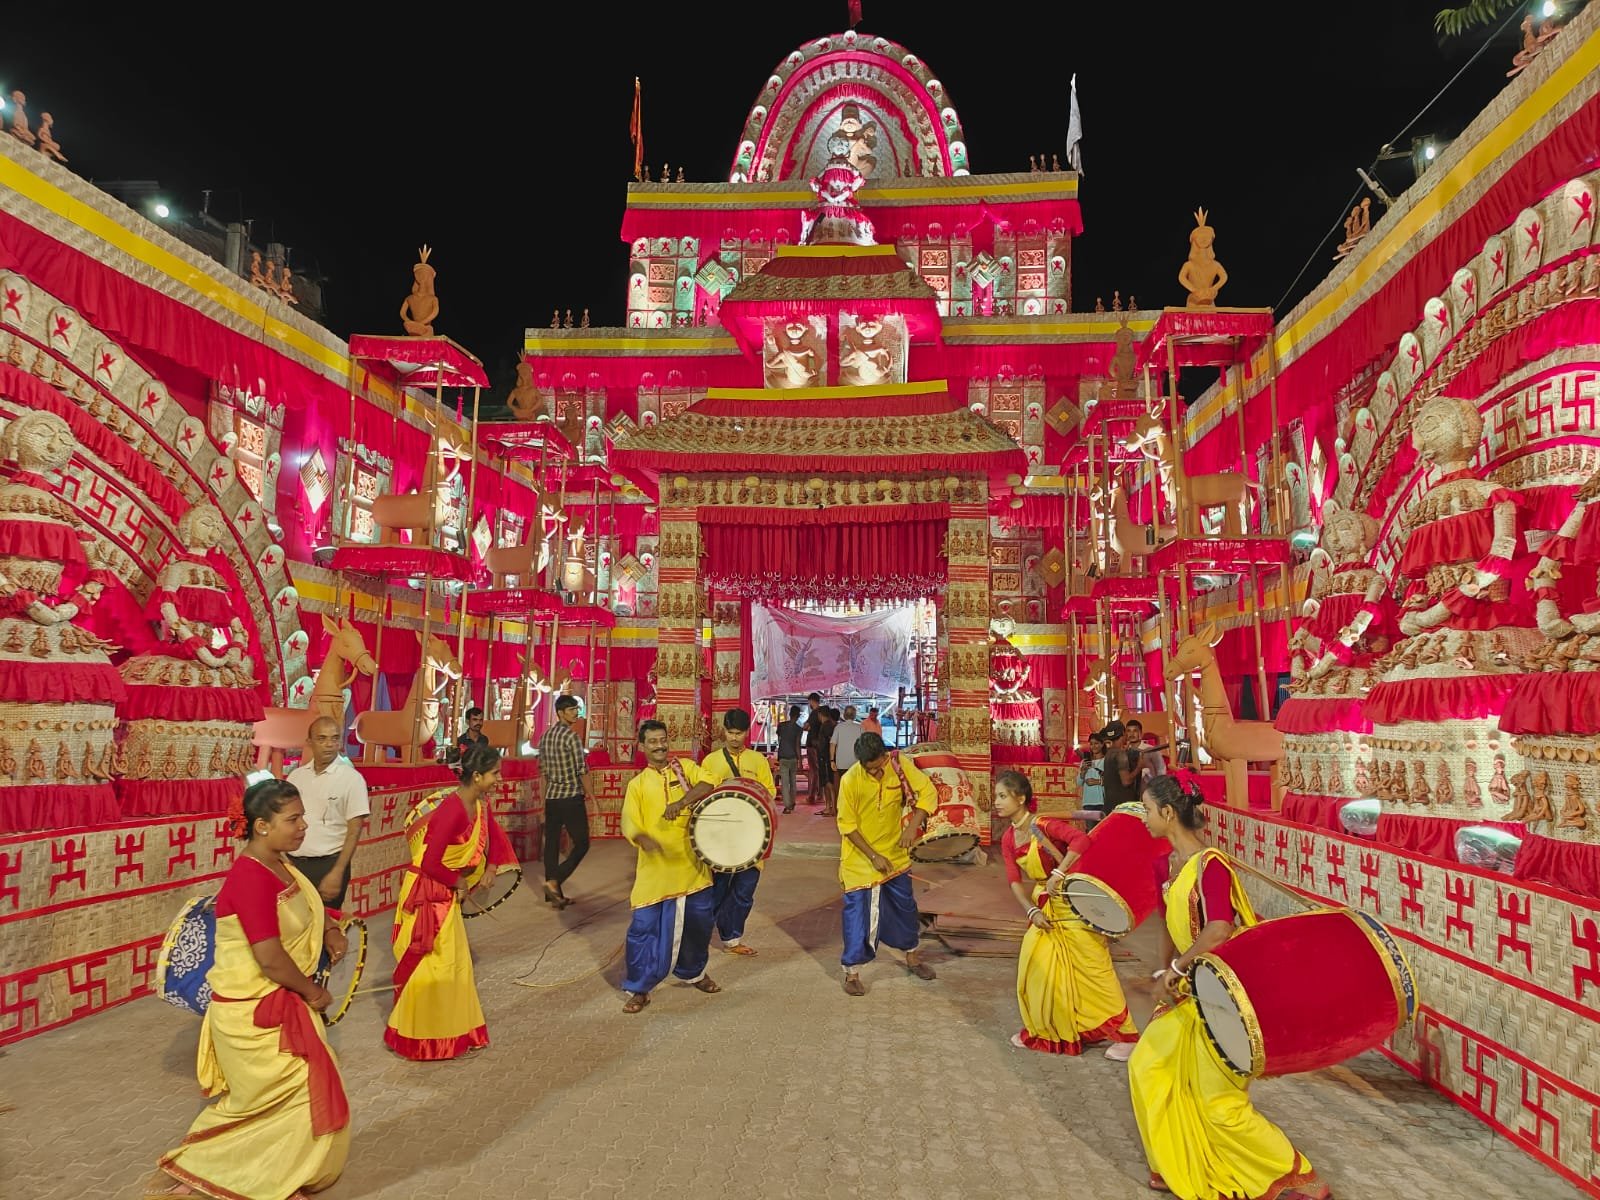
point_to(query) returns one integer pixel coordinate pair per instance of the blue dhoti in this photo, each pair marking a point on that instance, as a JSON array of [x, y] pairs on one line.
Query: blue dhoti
[[885, 913], [669, 937], [734, 893]]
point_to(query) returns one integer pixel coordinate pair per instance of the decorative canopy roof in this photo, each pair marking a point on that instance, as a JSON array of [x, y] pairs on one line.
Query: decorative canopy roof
[[897, 430]]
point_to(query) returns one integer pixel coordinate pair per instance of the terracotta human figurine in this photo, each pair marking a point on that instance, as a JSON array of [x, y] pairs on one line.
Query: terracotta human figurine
[[1202, 275], [792, 360], [1123, 360], [19, 119], [863, 138], [1574, 813], [256, 276], [420, 309], [838, 219], [524, 398], [47, 142], [866, 355]]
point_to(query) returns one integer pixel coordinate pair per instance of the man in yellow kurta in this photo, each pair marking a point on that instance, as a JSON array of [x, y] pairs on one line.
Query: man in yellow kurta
[[734, 892], [672, 901], [884, 804]]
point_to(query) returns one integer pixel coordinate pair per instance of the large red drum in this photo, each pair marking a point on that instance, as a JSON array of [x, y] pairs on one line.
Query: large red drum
[[1112, 887], [1263, 1018]]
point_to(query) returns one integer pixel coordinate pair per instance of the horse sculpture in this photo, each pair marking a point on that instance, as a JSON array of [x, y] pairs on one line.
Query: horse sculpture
[[410, 726], [1234, 743], [285, 728]]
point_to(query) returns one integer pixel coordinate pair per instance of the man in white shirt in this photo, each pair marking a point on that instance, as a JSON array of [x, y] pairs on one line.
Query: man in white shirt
[[845, 734], [335, 799]]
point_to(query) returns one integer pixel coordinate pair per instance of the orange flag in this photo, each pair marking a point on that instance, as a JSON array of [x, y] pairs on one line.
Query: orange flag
[[636, 132]]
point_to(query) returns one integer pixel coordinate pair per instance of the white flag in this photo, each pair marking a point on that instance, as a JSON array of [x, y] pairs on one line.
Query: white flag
[[1075, 133]]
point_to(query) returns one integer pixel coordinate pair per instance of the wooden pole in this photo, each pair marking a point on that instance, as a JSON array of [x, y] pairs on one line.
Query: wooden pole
[[1179, 511], [1264, 709]]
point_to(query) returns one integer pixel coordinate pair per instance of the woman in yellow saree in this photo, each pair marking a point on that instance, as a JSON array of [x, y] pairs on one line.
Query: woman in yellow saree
[[456, 845], [282, 1124], [1066, 987], [1203, 1139]]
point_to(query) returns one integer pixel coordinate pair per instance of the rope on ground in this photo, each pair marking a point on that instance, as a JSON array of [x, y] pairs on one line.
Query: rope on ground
[[520, 980]]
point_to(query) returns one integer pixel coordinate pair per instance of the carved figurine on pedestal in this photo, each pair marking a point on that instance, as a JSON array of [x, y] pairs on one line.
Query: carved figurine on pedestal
[[420, 309], [837, 219], [1234, 743], [47, 142], [19, 119], [524, 398], [1356, 226], [56, 677], [1124, 363], [195, 687], [1202, 275], [1462, 571]]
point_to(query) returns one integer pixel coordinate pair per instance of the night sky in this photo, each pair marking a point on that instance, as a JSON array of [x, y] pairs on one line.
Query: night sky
[[503, 142]]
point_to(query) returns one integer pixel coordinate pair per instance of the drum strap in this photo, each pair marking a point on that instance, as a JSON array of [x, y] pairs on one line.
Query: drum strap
[[907, 798], [733, 763], [1040, 836], [683, 780]]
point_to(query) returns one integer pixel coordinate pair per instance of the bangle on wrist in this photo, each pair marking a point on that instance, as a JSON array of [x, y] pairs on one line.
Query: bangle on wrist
[[1179, 971]]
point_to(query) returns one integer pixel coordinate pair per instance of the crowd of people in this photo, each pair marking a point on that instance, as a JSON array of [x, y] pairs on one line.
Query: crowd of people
[[265, 1055]]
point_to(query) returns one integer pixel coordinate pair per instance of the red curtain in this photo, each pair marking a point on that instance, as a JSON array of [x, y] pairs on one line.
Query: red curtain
[[859, 557]]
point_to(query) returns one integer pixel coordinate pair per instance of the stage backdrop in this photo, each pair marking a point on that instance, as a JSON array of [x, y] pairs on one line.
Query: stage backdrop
[[799, 652]]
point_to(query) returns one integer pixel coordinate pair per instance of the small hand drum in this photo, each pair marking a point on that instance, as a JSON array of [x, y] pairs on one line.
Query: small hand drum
[[951, 831], [492, 894], [731, 828], [344, 977]]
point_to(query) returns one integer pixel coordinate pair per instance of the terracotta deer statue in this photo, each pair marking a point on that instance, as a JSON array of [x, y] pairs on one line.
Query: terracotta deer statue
[[285, 728], [1149, 433], [419, 511], [1129, 538], [1235, 744], [397, 727], [1228, 491], [506, 734]]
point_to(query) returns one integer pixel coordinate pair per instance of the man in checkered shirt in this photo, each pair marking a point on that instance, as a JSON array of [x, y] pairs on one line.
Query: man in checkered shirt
[[565, 771]]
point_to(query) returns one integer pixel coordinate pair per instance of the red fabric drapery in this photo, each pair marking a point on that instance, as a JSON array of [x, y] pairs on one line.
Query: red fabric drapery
[[780, 554]]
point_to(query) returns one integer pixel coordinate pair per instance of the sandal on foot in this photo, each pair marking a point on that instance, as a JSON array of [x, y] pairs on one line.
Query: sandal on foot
[[1119, 1051], [1016, 1040], [636, 1002], [1157, 1184], [921, 969], [852, 986], [740, 948], [707, 985]]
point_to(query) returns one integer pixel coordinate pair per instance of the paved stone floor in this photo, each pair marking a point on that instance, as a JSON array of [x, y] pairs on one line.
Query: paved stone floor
[[781, 1086]]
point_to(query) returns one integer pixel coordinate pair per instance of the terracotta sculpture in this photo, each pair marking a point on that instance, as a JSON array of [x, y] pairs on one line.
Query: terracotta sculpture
[[420, 309], [1123, 359], [838, 218], [1356, 226], [1234, 743], [1149, 432], [507, 734], [1574, 813], [792, 360], [1532, 43], [524, 398], [418, 717], [19, 119], [418, 511], [47, 142], [285, 728], [862, 139], [1227, 490], [1470, 791], [256, 276], [195, 686], [1129, 538], [55, 670], [1202, 275], [868, 355]]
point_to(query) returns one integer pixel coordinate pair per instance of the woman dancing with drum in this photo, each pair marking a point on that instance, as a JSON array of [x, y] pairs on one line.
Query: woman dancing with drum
[[1066, 987], [1203, 1139], [282, 1124], [456, 845]]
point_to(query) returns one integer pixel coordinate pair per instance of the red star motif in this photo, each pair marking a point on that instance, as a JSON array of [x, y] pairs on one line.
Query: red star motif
[[63, 327], [218, 474], [187, 438], [151, 399], [1498, 258], [1533, 239], [1585, 203], [11, 305], [107, 361]]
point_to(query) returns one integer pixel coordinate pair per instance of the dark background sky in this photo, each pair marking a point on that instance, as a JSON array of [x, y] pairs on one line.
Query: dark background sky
[[503, 141]]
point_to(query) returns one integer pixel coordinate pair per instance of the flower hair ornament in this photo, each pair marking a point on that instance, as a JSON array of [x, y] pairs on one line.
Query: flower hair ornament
[[1189, 782]]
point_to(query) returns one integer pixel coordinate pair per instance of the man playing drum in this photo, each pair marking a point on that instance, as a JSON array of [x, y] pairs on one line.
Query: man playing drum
[[672, 901], [877, 831], [734, 892]]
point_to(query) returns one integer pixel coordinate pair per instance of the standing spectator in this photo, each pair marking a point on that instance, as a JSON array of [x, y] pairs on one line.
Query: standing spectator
[[871, 724], [789, 755], [335, 798], [843, 741], [1122, 769], [1151, 763], [472, 735], [823, 736], [1091, 776], [813, 745], [567, 790]]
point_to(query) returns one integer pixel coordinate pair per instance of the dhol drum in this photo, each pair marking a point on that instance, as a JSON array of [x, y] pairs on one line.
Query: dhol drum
[[187, 953], [492, 894], [190, 948], [1263, 1019], [343, 978], [951, 831], [1112, 887], [731, 829]]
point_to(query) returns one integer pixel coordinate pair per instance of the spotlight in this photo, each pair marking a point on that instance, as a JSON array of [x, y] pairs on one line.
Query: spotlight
[[162, 211], [1549, 9], [1428, 152]]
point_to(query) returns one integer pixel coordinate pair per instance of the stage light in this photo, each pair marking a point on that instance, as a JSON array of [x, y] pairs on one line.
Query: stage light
[[1428, 152], [1549, 9], [162, 211]]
